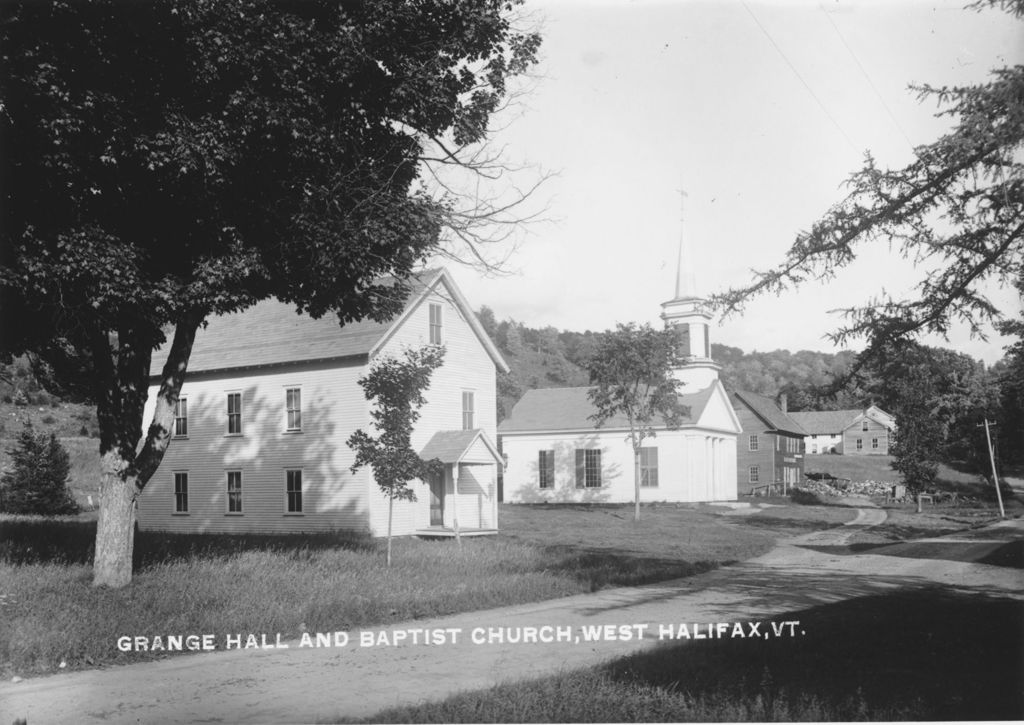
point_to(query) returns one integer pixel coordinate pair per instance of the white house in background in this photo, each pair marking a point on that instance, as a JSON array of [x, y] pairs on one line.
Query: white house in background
[[555, 454], [858, 432], [271, 397]]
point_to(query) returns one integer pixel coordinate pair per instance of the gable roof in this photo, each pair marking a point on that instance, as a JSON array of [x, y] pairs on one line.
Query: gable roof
[[879, 415], [766, 409], [550, 409], [451, 446], [825, 422], [272, 333]]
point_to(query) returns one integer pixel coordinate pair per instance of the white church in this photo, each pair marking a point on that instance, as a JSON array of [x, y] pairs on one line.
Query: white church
[[554, 454]]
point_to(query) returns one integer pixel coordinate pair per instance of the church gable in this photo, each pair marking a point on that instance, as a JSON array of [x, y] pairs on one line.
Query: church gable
[[718, 414]]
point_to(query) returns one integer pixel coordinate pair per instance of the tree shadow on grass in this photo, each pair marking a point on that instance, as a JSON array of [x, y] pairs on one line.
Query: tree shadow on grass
[[72, 542], [784, 524], [601, 568], [925, 654]]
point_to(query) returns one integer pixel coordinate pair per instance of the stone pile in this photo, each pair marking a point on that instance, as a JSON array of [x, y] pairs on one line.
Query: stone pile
[[836, 488]]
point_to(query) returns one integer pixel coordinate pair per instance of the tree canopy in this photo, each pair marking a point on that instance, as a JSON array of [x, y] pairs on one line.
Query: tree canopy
[[169, 160], [631, 374], [957, 211]]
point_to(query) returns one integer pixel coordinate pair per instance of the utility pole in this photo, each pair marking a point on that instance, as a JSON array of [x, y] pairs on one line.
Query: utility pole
[[992, 459]]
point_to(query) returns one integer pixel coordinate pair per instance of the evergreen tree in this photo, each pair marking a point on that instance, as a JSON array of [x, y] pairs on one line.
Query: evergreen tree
[[37, 484]]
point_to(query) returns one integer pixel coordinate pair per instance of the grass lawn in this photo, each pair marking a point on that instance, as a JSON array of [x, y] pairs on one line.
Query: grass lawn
[[50, 613], [928, 654]]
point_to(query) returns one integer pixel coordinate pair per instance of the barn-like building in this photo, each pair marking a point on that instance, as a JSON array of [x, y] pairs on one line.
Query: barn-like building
[[271, 398]]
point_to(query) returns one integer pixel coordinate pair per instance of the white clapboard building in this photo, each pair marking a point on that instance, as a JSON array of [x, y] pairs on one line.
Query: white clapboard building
[[555, 454], [271, 397]]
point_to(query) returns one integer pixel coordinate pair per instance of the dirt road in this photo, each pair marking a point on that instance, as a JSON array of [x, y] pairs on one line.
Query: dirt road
[[304, 684]]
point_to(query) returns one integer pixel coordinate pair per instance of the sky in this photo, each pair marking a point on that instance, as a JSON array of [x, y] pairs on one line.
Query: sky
[[759, 111]]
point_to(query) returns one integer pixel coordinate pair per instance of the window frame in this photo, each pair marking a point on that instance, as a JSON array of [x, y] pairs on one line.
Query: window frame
[[546, 469], [180, 425], [648, 470], [860, 444], [753, 444], [588, 463], [874, 444], [754, 474], [289, 410], [435, 324], [180, 494], [235, 416], [592, 468], [289, 493], [468, 413], [230, 496]]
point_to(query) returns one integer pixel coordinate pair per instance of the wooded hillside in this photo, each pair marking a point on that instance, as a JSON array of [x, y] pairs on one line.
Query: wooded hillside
[[961, 392]]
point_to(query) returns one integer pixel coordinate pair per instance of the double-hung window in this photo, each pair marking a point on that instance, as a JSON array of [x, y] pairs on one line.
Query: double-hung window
[[588, 468], [468, 405], [293, 408], [435, 324], [234, 414], [181, 493], [234, 492], [649, 467], [293, 491], [755, 474], [181, 418], [546, 469], [753, 445]]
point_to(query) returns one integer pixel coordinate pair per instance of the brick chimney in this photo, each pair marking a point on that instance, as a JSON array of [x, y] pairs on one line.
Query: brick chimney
[[784, 403]]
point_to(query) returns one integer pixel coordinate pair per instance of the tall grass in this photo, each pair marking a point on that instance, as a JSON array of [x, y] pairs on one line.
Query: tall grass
[[214, 584]]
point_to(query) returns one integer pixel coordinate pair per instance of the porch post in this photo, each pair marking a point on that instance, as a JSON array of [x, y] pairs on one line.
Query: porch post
[[455, 501]]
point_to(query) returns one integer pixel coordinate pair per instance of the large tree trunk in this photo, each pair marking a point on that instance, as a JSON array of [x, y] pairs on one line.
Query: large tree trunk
[[115, 529], [123, 383]]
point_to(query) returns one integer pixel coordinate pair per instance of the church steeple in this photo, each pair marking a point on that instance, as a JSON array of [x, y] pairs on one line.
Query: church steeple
[[687, 314], [686, 280]]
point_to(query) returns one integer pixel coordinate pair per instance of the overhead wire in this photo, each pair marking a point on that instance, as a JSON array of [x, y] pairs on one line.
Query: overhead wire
[[867, 78], [801, 79]]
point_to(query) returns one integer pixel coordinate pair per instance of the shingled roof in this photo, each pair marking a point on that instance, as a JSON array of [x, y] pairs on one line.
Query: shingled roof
[[271, 332], [766, 409], [550, 409], [825, 422], [451, 446]]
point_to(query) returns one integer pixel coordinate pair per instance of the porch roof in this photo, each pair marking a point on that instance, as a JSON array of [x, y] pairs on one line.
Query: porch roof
[[452, 446]]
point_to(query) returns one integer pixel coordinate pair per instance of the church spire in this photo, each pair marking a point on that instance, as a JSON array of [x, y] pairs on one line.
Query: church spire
[[687, 316], [686, 280]]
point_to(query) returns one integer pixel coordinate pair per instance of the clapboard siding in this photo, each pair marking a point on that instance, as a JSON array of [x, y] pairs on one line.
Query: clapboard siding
[[875, 430], [467, 367], [692, 466], [333, 497], [333, 407], [476, 496]]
